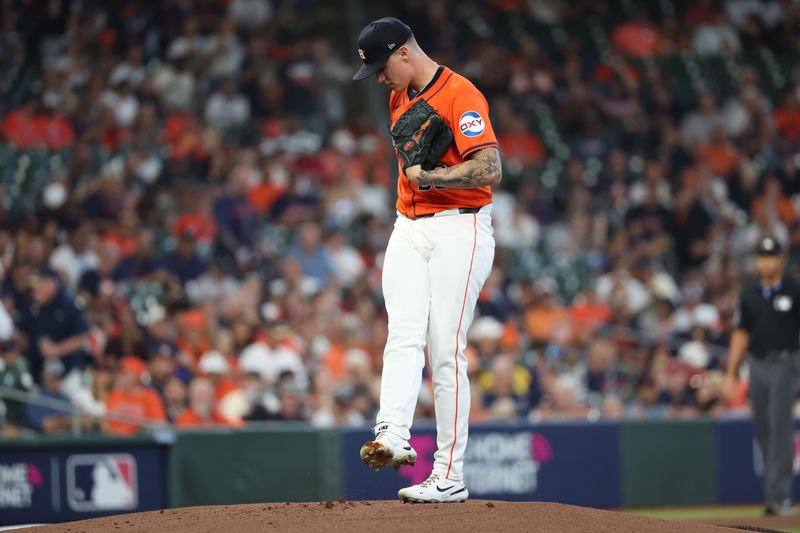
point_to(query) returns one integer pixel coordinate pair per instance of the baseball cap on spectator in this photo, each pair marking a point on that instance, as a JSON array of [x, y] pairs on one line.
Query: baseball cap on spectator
[[769, 246], [255, 359], [694, 354], [486, 327], [377, 42], [705, 316], [132, 365], [194, 318], [53, 368], [213, 362], [664, 287], [342, 393], [42, 273]]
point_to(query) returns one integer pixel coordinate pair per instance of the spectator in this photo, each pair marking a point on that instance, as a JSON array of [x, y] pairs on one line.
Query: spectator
[[346, 264], [273, 355], [184, 262], [92, 400], [719, 154], [174, 396], [587, 313], [698, 125], [226, 107], [131, 406], [75, 257], [507, 389], [201, 411], [6, 324], [774, 202], [47, 416], [131, 71], [716, 37], [311, 255], [228, 400], [250, 14], [787, 116], [174, 81], [19, 126], [123, 102], [233, 215], [521, 147], [637, 37], [54, 326], [224, 51], [14, 374]]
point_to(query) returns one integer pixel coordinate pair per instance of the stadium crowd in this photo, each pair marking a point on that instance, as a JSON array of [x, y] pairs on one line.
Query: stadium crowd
[[194, 207]]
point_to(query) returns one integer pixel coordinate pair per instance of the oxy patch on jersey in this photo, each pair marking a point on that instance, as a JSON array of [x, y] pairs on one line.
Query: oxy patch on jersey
[[471, 124]]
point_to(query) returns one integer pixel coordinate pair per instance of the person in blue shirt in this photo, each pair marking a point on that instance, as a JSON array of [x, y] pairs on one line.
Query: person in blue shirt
[[47, 418], [311, 254], [55, 327], [183, 262]]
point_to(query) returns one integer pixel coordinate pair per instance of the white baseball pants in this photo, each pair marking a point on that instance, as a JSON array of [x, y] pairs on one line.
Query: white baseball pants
[[433, 271]]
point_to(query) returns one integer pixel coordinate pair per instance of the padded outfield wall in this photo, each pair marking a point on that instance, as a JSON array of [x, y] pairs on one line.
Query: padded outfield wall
[[599, 465]]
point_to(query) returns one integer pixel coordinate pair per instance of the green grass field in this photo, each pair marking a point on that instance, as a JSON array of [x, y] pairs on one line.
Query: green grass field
[[707, 514]]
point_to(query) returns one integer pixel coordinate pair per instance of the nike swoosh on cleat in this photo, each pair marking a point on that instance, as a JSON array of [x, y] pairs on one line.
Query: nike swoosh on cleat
[[456, 492], [407, 448], [440, 489]]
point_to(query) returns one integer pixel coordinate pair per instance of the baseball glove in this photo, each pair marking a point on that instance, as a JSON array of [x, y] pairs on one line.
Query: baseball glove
[[420, 136]]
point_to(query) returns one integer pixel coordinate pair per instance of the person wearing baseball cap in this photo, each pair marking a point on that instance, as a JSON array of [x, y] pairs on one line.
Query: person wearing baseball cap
[[448, 160], [54, 324], [377, 42], [131, 398], [768, 332]]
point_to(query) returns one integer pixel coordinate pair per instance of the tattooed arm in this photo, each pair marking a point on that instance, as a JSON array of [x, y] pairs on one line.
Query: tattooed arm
[[483, 168]]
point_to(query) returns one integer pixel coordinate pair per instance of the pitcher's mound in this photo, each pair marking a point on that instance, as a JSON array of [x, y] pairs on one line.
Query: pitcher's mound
[[379, 516]]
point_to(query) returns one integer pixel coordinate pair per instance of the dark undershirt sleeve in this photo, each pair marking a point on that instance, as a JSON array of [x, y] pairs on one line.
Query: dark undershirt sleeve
[[743, 320]]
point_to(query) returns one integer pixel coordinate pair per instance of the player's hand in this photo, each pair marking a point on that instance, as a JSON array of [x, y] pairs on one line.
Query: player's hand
[[729, 386], [48, 348], [412, 173]]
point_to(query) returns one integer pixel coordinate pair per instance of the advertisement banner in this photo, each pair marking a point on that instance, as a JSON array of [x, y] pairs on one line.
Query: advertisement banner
[[740, 464], [63, 484], [542, 462]]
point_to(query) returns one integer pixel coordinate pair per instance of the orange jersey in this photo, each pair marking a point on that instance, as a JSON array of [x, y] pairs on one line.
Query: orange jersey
[[143, 403], [466, 112], [190, 419]]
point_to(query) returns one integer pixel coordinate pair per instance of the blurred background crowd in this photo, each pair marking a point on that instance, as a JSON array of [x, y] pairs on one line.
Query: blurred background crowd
[[195, 200]]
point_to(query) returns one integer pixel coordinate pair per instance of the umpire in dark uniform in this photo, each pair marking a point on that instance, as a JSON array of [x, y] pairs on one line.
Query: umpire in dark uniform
[[768, 330]]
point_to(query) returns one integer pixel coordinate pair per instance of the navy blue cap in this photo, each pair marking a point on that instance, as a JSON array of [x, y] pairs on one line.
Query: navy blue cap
[[378, 40], [768, 246], [43, 272]]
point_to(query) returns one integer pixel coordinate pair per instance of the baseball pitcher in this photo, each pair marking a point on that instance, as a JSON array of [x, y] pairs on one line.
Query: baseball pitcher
[[439, 254]]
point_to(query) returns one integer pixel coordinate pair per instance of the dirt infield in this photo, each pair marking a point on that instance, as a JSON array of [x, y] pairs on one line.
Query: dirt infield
[[368, 517]]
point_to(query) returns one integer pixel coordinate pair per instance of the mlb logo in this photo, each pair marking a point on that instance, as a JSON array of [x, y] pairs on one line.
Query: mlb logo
[[102, 482]]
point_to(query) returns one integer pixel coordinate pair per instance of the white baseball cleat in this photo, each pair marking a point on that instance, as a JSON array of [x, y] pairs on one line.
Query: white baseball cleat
[[435, 489], [387, 449]]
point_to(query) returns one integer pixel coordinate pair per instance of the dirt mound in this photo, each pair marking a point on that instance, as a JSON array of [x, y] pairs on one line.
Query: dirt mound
[[369, 517]]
